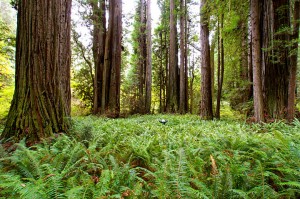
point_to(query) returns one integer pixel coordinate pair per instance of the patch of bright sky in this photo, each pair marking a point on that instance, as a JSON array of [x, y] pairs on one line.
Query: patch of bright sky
[[129, 8]]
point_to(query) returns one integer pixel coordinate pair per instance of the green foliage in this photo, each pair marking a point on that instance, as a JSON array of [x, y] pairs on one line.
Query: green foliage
[[6, 95], [7, 43], [83, 86], [140, 158]]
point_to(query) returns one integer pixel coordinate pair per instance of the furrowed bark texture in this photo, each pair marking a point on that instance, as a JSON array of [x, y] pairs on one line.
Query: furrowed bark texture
[[293, 62], [206, 111], [256, 58], [99, 35], [173, 88], [112, 62], [41, 102], [275, 62]]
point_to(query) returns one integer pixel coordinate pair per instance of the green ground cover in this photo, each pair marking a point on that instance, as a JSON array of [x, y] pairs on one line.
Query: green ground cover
[[138, 157]]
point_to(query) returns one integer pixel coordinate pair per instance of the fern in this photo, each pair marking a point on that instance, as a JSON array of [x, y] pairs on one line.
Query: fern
[[138, 157]]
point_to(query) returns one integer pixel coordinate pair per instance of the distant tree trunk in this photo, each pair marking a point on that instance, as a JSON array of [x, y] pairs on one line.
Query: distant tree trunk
[[293, 63], [112, 61], [41, 102], [220, 67], [250, 62], [186, 56], [275, 18], [244, 63], [212, 65], [161, 82], [192, 75], [148, 60], [183, 97], [173, 103], [256, 57], [206, 95], [244, 53], [99, 34], [167, 85], [142, 53]]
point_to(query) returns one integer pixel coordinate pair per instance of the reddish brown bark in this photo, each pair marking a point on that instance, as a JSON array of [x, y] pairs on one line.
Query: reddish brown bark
[[293, 63], [206, 95], [256, 57], [148, 59], [41, 102], [173, 88], [99, 34], [182, 87], [112, 61]]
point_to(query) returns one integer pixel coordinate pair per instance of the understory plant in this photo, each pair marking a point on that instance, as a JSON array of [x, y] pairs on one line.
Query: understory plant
[[139, 157]]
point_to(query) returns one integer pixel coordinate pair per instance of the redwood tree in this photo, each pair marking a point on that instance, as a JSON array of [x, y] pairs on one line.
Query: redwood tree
[[293, 62], [148, 59], [275, 22], [99, 35], [173, 86], [112, 61], [183, 59], [41, 102], [256, 59], [206, 94]]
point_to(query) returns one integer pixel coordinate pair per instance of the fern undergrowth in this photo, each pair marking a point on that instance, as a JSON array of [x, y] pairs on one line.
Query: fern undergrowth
[[138, 157]]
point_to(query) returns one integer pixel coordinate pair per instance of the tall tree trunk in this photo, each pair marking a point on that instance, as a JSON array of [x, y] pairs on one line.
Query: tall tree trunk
[[293, 63], [186, 50], [148, 59], [192, 75], [244, 62], [99, 34], [173, 103], [112, 61], [182, 98], [41, 102], [161, 84], [256, 57], [275, 18], [250, 62], [142, 57], [206, 95], [212, 66], [221, 67], [167, 85]]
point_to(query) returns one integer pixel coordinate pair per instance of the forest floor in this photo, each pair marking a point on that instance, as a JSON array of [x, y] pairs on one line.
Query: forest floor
[[139, 157]]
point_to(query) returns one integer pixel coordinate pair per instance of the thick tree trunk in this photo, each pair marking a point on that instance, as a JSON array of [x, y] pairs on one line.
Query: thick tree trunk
[[99, 34], [173, 91], [256, 57], [148, 60], [112, 61], [206, 95], [41, 102], [293, 62], [275, 18]]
